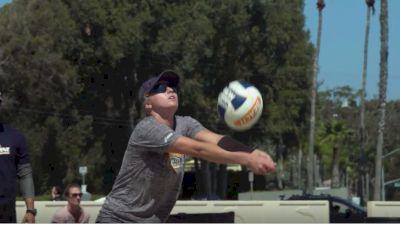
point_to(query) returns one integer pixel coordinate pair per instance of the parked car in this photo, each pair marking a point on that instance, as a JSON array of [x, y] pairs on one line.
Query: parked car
[[341, 210]]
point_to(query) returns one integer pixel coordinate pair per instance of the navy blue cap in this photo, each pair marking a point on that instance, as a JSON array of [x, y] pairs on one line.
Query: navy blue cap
[[168, 75]]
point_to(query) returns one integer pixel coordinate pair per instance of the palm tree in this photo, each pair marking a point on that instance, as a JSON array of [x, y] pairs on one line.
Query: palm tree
[[383, 76], [335, 135], [310, 164], [370, 9]]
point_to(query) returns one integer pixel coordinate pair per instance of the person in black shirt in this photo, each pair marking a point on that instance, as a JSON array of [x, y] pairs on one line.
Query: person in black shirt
[[14, 165]]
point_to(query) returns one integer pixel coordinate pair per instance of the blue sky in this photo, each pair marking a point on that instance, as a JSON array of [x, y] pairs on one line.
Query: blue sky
[[342, 45]]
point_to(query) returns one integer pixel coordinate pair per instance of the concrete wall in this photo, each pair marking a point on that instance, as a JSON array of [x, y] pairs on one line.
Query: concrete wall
[[383, 209], [262, 211], [276, 195], [245, 211]]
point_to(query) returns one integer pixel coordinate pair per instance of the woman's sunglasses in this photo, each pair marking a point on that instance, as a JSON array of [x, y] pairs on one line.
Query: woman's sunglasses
[[161, 88]]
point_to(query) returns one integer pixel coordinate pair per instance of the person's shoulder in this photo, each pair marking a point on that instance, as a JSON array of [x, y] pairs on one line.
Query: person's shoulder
[[146, 122], [145, 127], [187, 120], [184, 118]]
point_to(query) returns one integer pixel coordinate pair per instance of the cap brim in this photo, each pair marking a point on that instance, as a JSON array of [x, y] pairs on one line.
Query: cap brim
[[170, 76]]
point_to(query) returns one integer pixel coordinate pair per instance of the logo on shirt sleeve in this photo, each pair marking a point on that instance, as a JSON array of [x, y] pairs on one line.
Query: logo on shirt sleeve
[[166, 138], [4, 150]]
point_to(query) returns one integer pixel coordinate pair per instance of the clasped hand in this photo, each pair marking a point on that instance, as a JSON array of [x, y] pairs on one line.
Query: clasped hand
[[261, 163]]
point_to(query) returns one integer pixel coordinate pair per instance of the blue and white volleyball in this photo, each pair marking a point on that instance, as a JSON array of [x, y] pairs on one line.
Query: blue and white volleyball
[[240, 105]]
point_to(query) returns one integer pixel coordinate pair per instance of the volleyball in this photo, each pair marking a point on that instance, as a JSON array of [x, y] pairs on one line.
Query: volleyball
[[240, 105]]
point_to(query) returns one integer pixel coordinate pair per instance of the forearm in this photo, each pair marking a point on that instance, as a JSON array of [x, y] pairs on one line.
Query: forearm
[[29, 215], [259, 162], [233, 145], [223, 141], [24, 174], [210, 152], [216, 154], [29, 202]]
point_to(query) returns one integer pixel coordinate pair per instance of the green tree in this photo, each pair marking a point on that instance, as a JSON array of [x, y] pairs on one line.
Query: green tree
[[335, 135], [41, 83], [106, 49]]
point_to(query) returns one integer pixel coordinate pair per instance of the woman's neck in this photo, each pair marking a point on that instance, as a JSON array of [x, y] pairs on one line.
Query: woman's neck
[[167, 120]]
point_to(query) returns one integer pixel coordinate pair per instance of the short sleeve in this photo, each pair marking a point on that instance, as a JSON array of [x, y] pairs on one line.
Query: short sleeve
[[153, 136], [192, 126]]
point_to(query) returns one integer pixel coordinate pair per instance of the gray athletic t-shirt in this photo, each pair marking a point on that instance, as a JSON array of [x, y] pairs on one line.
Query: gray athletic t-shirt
[[150, 178]]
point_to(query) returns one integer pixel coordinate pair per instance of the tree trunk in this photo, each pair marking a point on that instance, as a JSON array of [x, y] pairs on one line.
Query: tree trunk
[[367, 185], [213, 175], [361, 177], [335, 169], [279, 171], [199, 178], [310, 162], [317, 170], [206, 177], [222, 181], [293, 171], [383, 76], [299, 170]]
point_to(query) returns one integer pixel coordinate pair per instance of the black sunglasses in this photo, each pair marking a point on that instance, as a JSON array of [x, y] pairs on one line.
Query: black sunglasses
[[76, 195], [161, 88]]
